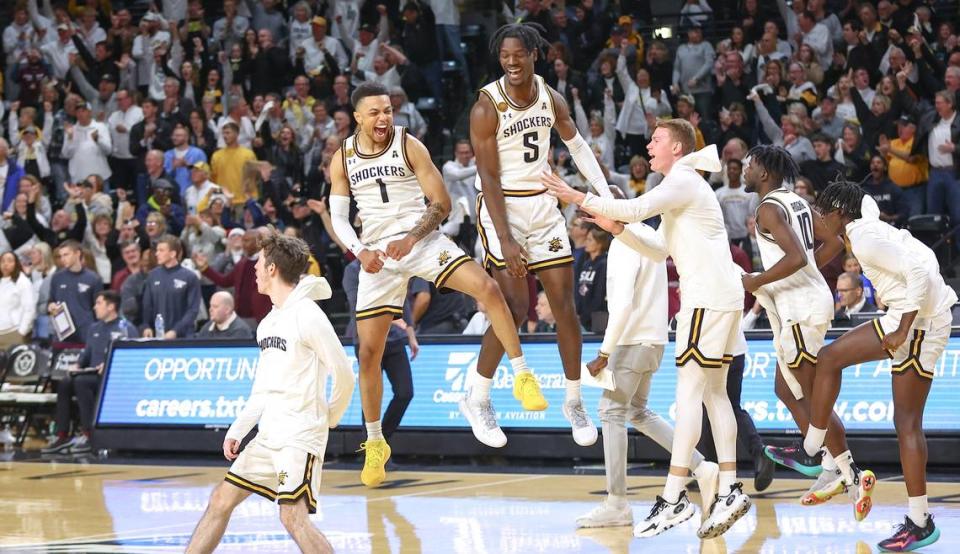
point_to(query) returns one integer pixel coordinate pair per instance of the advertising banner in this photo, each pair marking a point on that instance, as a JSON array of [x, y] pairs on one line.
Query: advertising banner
[[166, 384]]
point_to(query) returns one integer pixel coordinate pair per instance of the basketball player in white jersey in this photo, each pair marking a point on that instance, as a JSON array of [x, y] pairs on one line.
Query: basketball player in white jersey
[[520, 227], [799, 305], [389, 174], [708, 323], [633, 348], [906, 275], [299, 349]]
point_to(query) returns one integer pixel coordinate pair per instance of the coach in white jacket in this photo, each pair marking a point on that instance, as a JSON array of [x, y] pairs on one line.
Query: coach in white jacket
[[298, 351]]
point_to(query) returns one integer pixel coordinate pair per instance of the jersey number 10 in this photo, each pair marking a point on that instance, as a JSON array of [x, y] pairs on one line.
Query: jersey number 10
[[806, 227]]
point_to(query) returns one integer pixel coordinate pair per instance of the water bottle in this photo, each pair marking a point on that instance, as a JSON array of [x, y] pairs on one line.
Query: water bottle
[[124, 331], [158, 329]]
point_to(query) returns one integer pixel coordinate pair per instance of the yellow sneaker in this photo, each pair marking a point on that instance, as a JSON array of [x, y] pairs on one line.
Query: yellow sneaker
[[377, 454], [527, 391]]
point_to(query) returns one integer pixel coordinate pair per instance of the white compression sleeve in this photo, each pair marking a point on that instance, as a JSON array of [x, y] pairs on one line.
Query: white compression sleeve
[[340, 217], [587, 164]]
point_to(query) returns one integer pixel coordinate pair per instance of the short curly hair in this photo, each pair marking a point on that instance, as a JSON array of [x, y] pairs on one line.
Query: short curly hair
[[291, 255]]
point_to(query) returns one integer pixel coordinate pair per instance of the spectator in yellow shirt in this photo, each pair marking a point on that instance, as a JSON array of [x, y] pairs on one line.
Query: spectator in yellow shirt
[[227, 164], [909, 172]]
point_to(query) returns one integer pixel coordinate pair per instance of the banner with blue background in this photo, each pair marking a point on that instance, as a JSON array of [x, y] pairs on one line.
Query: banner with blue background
[[191, 385]]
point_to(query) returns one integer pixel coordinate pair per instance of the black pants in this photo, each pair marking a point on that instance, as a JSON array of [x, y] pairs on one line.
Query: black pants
[[747, 434], [84, 387], [396, 365]]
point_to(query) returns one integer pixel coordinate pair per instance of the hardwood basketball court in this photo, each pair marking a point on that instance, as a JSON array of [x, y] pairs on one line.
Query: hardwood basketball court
[[69, 507]]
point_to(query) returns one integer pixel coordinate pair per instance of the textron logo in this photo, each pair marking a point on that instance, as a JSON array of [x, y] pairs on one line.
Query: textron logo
[[458, 376], [459, 370]]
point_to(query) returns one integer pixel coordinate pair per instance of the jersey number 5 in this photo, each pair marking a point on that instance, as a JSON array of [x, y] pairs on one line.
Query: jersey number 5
[[806, 227], [532, 152], [383, 191]]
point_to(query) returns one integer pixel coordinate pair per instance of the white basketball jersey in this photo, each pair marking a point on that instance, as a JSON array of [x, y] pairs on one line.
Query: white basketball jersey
[[388, 194], [523, 136], [803, 296]]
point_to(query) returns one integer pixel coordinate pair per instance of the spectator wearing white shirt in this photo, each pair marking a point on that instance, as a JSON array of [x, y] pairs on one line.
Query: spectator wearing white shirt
[[317, 44], [367, 46], [406, 114], [299, 27], [460, 175], [817, 35], [60, 52], [18, 302], [447, 17], [145, 44], [18, 38], [639, 101], [197, 196], [89, 30], [87, 145], [31, 154], [383, 72], [479, 323], [122, 163], [320, 127], [599, 131]]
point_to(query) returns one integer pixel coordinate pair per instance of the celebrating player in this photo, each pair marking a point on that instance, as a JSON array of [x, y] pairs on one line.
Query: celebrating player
[[521, 229], [913, 334], [298, 350], [388, 173], [633, 348], [708, 323], [799, 305]]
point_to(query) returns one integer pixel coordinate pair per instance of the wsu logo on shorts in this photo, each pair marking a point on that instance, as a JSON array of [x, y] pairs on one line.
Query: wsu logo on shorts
[[443, 258], [555, 244]]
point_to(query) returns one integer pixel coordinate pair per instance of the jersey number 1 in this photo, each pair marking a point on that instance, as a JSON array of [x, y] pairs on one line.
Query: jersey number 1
[[532, 152], [383, 191], [806, 227]]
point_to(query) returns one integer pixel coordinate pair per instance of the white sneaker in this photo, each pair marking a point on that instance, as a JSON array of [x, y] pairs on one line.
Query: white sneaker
[[584, 431], [607, 514], [709, 483], [483, 421], [665, 515], [726, 511], [828, 484], [6, 437]]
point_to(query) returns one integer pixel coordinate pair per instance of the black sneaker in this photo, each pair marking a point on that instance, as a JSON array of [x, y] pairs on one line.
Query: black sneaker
[[56, 445], [910, 536], [763, 472], [796, 458]]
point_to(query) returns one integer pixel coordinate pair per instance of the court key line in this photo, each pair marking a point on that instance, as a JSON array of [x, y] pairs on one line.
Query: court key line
[[192, 524]]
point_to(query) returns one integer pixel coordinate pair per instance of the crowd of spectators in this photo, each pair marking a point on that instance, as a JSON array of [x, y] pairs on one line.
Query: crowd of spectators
[[146, 148]]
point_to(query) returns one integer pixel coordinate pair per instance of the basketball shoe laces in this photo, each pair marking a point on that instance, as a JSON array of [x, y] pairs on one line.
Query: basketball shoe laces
[[577, 413], [374, 455], [487, 415], [658, 507]]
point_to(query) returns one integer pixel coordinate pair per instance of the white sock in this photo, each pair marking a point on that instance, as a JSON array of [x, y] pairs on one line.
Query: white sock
[[481, 389], [573, 390], [828, 463], [673, 488], [374, 430], [727, 478], [813, 442], [845, 462], [918, 510], [519, 365]]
